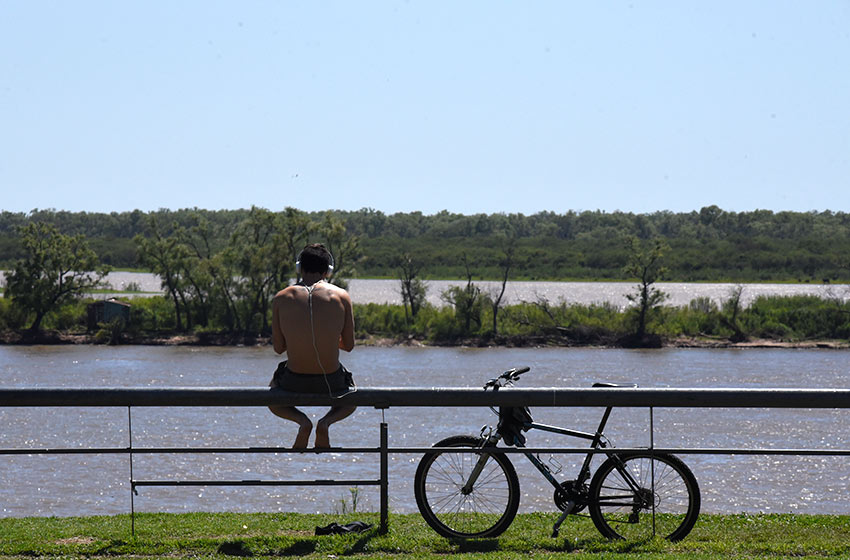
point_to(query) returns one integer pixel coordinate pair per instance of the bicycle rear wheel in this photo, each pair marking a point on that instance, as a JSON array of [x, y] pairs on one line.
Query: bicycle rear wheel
[[641, 495], [486, 511]]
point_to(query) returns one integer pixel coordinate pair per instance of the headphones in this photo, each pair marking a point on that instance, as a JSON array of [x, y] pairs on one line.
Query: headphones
[[298, 263]]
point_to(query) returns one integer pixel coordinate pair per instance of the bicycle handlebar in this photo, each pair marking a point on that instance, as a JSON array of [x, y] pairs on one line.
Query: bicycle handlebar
[[506, 378]]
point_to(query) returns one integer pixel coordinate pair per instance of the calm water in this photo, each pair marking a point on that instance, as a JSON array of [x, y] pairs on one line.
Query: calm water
[[70, 485], [387, 291]]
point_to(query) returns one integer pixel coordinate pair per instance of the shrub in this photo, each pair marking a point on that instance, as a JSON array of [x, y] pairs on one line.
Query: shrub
[[5, 313], [377, 319], [69, 317], [151, 314], [795, 317]]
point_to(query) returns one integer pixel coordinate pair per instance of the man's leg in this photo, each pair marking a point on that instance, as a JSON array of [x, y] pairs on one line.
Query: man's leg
[[335, 414], [305, 426]]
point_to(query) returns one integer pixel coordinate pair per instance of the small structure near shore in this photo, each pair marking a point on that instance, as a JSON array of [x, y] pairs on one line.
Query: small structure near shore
[[105, 311]]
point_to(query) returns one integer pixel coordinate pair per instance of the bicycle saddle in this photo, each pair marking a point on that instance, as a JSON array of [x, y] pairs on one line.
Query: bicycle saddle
[[605, 384]]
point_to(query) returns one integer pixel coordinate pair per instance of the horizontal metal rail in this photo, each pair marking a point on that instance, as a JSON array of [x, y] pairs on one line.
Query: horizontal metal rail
[[317, 482], [422, 450], [386, 397], [178, 450]]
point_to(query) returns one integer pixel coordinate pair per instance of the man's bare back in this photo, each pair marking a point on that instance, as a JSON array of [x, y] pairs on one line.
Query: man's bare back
[[306, 339]]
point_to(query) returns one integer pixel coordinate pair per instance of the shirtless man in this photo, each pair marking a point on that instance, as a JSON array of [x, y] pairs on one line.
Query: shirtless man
[[311, 321]]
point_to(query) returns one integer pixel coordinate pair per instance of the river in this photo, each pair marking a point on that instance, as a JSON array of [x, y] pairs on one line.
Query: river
[[679, 293], [98, 484], [388, 291]]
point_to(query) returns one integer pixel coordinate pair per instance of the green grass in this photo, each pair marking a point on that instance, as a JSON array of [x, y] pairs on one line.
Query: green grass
[[292, 535]]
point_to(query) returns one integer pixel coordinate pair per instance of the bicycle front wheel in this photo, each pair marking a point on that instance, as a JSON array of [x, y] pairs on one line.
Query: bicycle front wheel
[[642, 495], [483, 510]]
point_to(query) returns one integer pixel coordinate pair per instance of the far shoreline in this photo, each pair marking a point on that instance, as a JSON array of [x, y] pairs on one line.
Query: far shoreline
[[50, 338]]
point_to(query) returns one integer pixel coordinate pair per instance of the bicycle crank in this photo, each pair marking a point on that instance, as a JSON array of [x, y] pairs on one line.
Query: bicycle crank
[[571, 491]]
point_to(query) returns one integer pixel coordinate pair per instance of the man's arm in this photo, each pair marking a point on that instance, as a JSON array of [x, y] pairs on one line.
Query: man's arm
[[346, 337], [278, 340]]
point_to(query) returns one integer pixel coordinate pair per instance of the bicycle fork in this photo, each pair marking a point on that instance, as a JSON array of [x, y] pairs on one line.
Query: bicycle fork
[[483, 457], [476, 472]]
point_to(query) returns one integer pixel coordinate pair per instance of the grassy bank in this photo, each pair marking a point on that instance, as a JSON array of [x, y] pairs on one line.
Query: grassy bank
[[292, 535], [774, 320]]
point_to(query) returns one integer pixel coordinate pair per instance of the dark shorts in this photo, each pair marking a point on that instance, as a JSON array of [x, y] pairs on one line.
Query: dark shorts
[[334, 383]]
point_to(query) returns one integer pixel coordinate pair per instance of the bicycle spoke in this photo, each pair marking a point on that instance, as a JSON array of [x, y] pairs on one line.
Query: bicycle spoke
[[456, 506], [642, 496]]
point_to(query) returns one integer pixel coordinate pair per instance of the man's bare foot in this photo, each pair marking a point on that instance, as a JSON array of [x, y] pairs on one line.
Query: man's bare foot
[[335, 414], [305, 426]]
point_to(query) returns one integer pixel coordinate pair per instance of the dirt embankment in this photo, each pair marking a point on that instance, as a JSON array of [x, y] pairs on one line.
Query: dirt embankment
[[212, 339]]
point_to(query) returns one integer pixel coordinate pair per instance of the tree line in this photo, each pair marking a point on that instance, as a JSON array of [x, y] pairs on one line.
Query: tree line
[[219, 278], [706, 245]]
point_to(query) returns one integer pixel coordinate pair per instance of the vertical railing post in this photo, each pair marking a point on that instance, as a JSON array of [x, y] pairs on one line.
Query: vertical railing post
[[132, 478], [385, 483], [652, 461]]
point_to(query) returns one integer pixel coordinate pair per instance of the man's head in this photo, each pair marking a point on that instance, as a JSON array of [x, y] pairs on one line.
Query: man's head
[[315, 259]]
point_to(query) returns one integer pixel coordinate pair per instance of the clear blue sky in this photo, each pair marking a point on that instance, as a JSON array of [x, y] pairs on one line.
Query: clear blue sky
[[425, 105]]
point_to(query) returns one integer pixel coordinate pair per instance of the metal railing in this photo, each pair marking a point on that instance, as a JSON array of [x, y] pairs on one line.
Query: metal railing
[[382, 398]]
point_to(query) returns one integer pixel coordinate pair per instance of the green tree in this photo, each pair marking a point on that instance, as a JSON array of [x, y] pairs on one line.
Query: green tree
[[731, 315], [197, 267], [257, 257], [226, 285], [344, 247], [295, 229], [56, 269], [505, 263], [645, 264], [467, 301], [164, 255], [413, 288]]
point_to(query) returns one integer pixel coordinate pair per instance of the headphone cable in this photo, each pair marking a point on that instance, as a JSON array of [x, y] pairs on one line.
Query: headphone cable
[[316, 347]]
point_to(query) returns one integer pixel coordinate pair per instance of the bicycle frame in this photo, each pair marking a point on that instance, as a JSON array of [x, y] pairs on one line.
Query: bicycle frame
[[596, 442]]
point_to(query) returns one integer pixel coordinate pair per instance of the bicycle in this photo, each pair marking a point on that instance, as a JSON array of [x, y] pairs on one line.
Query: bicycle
[[632, 495]]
